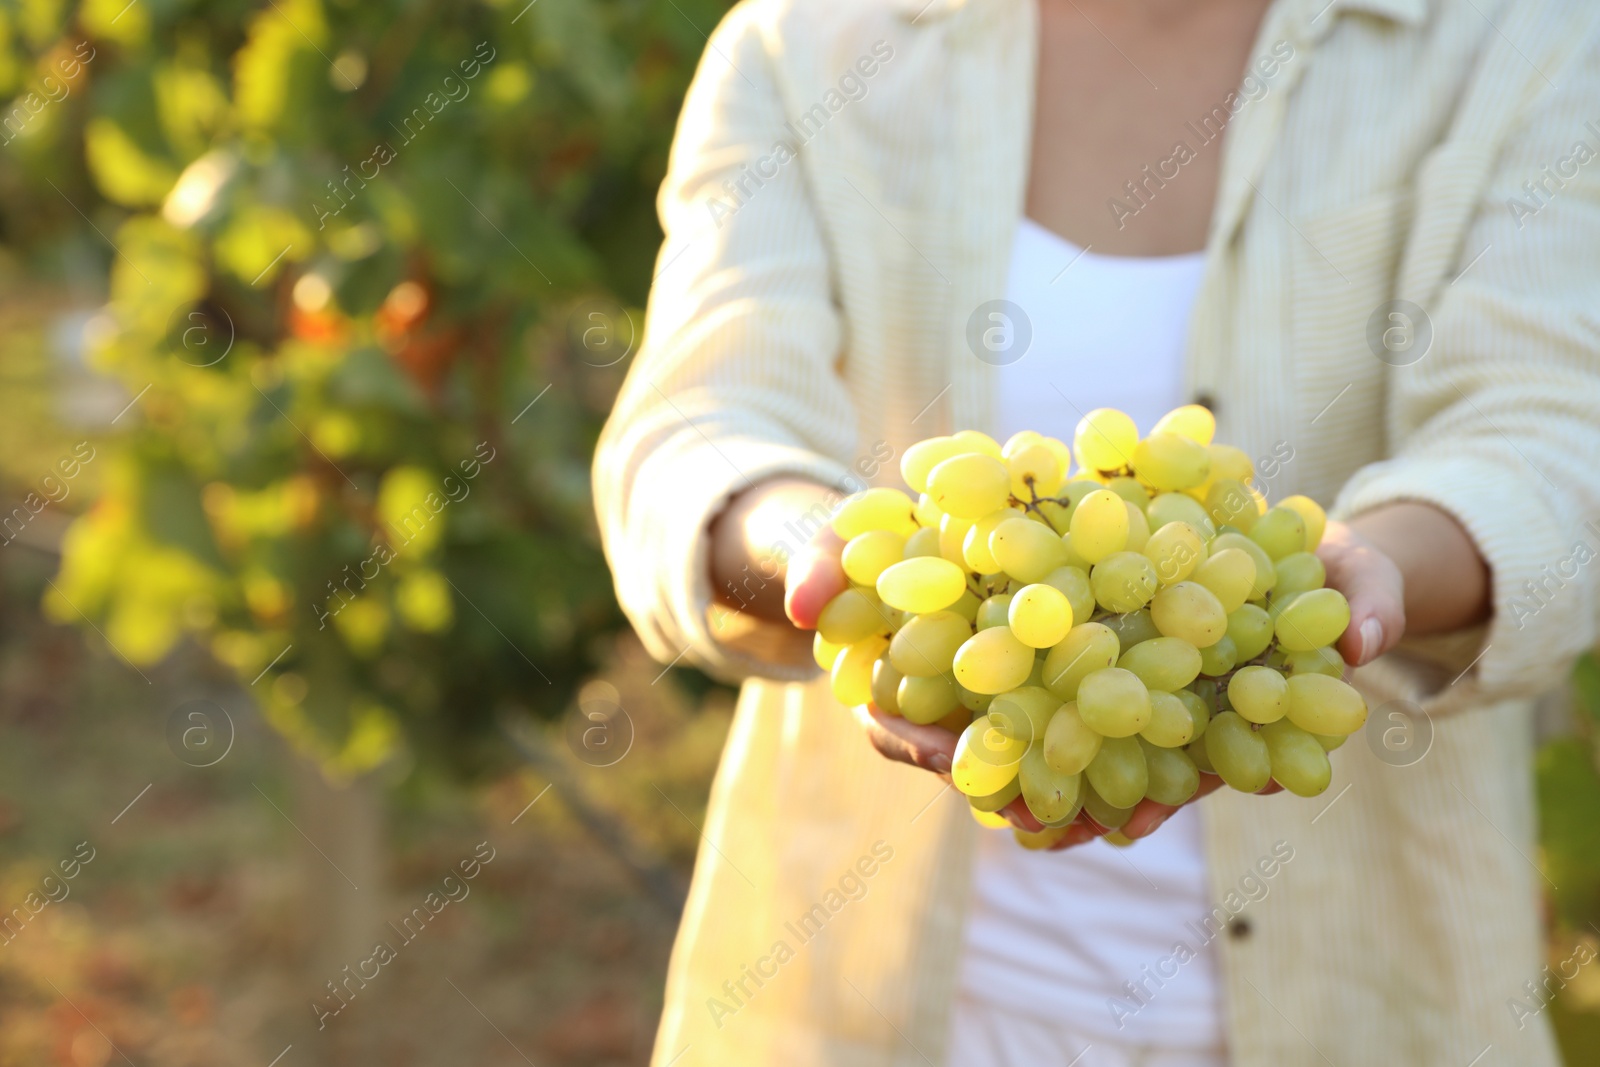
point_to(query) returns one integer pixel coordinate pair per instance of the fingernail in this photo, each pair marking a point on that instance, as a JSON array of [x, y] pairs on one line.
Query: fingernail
[[1371, 639], [939, 763], [1157, 824]]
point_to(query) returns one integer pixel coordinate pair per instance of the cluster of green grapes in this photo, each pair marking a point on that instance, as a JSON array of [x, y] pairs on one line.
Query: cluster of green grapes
[[1100, 638]]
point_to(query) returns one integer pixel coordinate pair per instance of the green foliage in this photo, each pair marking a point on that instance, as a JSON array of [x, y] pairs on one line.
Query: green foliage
[[338, 246]]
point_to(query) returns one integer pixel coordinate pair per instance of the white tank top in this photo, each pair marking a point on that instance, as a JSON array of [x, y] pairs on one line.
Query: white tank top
[[1057, 934]]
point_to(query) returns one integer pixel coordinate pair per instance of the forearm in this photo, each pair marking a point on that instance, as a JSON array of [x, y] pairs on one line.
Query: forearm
[[754, 539], [1446, 582]]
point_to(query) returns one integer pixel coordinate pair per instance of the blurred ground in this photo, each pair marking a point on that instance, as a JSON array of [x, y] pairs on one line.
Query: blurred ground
[[206, 923]]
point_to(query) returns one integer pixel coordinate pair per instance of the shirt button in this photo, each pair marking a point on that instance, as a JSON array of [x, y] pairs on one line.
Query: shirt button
[[1207, 401], [1239, 929]]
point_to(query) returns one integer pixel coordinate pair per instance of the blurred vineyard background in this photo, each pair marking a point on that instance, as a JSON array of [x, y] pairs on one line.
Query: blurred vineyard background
[[310, 311]]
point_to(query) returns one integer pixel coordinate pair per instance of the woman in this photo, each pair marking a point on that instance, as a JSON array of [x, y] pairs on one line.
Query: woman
[[1365, 233]]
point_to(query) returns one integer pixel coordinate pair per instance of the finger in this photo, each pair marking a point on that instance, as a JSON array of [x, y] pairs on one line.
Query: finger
[[1270, 788], [1375, 590], [932, 748], [1018, 815], [814, 578], [1146, 819]]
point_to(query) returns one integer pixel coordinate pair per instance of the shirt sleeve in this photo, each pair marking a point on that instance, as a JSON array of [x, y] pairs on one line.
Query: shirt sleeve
[[1498, 424], [736, 380]]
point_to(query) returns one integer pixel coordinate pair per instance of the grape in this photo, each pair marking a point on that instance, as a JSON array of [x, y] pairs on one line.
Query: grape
[[1043, 839], [1329, 743], [1280, 532], [1220, 658], [986, 760], [1123, 582], [1053, 514], [1107, 815], [952, 536], [993, 802], [824, 651], [1316, 519], [869, 554], [1026, 550], [1299, 572], [1170, 461], [993, 661], [1104, 440], [1266, 573], [1196, 751], [1040, 615], [851, 616], [928, 698], [973, 701], [990, 820], [885, 681], [1176, 550], [925, 511], [1193, 421], [1035, 472], [1113, 702], [1019, 441], [1190, 611], [1138, 528], [1099, 526], [1175, 507], [922, 585], [1170, 725], [1054, 798], [1238, 753], [1230, 462], [1174, 779], [1132, 628], [1130, 490], [1325, 705], [852, 671], [1024, 712], [1312, 620], [1199, 710], [1229, 503], [1089, 647], [875, 509], [927, 644], [967, 606], [1167, 663], [1250, 630], [995, 611], [1069, 745], [1118, 772], [925, 542], [1299, 763], [975, 546], [1230, 575], [1259, 694], [920, 459], [970, 486], [1324, 660], [1036, 675], [977, 441], [1074, 584]]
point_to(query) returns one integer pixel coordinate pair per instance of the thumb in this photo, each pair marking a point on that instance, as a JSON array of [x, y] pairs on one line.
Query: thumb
[[814, 577], [1373, 585]]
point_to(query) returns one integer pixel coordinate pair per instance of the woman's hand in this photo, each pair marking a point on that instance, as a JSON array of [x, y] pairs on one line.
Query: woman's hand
[[814, 577]]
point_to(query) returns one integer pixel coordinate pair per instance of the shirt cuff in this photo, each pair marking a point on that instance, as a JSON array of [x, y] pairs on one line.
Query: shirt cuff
[[1543, 614]]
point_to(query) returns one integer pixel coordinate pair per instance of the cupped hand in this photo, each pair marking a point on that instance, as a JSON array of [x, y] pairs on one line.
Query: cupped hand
[[1373, 585], [933, 748]]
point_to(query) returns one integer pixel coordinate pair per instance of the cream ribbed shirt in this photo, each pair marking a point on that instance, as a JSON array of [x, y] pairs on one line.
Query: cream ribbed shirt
[[841, 200]]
